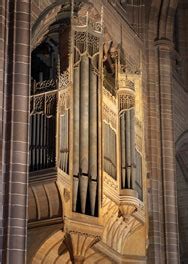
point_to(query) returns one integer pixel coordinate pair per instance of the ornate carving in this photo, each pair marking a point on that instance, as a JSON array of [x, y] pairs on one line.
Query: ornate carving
[[126, 101], [44, 86], [51, 102], [126, 93], [109, 116], [86, 21], [121, 221], [64, 100], [39, 102], [86, 42], [79, 245], [64, 80], [125, 84]]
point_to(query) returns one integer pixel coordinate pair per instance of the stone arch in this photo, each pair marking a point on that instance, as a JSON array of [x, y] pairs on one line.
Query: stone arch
[[68, 248], [161, 18]]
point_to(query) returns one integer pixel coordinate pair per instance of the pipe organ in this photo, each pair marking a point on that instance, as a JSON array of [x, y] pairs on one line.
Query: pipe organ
[[89, 106]]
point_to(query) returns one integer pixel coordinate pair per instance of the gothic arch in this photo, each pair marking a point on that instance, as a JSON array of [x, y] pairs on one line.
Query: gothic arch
[[161, 18], [69, 248]]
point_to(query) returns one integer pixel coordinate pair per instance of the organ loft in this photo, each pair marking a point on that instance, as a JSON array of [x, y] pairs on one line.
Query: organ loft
[[86, 140]]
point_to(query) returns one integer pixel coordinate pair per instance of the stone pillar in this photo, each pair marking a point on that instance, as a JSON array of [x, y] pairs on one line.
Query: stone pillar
[[15, 80], [163, 218], [3, 23]]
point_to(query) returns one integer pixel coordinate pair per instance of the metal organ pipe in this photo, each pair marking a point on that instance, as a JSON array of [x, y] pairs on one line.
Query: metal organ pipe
[[93, 124], [76, 130], [76, 133], [84, 115], [132, 133], [128, 148], [128, 167], [123, 149], [92, 136], [84, 130]]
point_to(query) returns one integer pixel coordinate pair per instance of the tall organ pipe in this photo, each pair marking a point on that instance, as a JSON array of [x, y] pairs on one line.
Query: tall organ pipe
[[92, 137], [76, 133], [84, 115], [84, 130], [76, 110], [128, 148], [123, 150], [132, 129], [128, 167], [93, 124]]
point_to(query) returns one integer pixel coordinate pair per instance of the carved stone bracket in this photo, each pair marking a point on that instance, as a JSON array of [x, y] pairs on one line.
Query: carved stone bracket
[[79, 244], [122, 219]]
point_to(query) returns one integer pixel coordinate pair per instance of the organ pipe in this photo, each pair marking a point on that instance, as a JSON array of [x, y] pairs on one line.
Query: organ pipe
[[123, 149], [84, 130], [109, 150], [132, 133], [93, 136], [128, 167], [93, 124], [76, 111], [84, 115], [128, 148]]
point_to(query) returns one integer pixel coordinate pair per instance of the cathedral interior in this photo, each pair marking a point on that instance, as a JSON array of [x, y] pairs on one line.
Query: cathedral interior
[[94, 131]]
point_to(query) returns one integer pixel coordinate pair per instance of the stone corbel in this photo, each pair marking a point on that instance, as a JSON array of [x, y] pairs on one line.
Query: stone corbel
[[122, 219], [78, 245]]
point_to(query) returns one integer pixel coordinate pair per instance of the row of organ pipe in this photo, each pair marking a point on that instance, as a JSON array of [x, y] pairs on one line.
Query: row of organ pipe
[[128, 166], [42, 141], [109, 150], [85, 163]]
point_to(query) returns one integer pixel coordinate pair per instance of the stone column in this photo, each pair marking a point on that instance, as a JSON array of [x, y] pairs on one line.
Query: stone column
[[163, 230], [168, 174], [3, 24], [14, 133]]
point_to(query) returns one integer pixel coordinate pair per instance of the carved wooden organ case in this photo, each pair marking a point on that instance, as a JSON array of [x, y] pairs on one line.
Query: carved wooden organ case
[[83, 122]]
